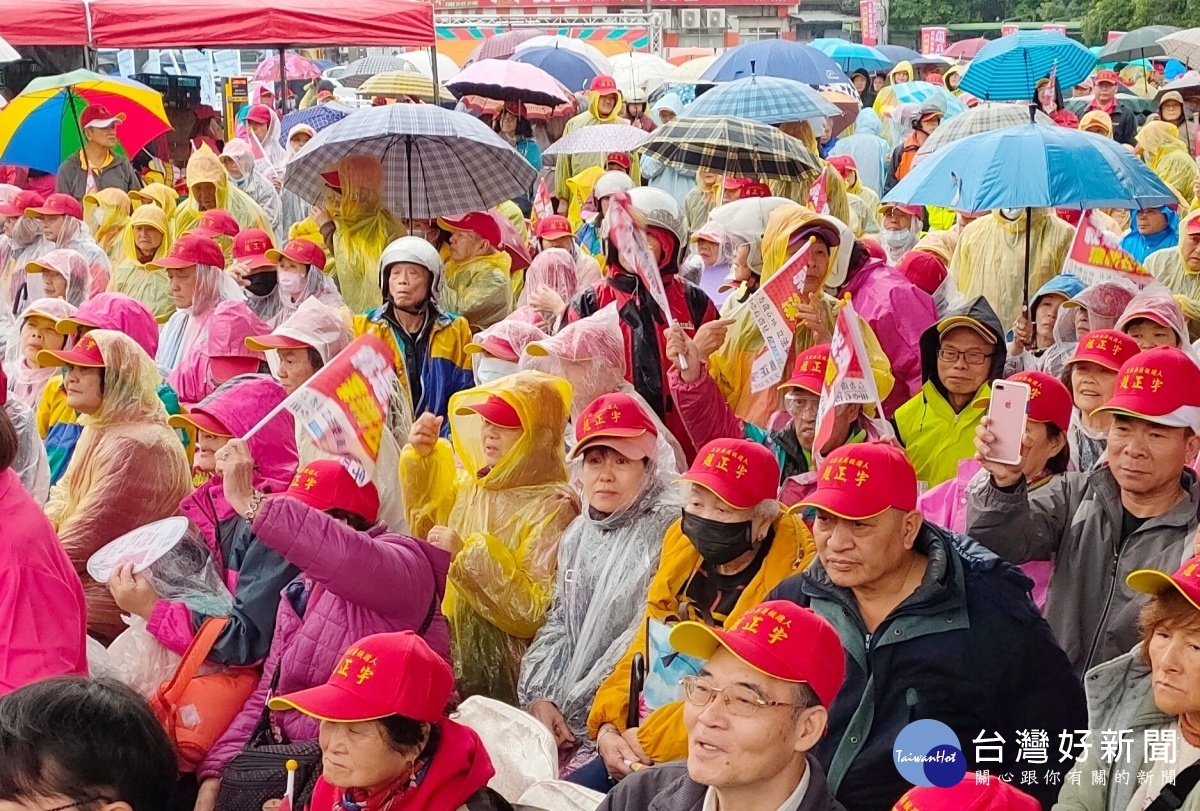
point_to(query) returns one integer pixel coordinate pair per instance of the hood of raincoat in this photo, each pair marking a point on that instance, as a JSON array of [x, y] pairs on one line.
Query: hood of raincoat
[[670, 101], [1104, 302], [204, 166], [156, 218], [364, 229], [1158, 139], [1183, 238], [589, 354], [543, 403], [981, 311], [106, 212], [1093, 117], [242, 154], [131, 382], [318, 325], [868, 122], [292, 132], [238, 405], [232, 323], [956, 70], [1065, 284], [74, 268], [553, 267], [746, 221], [1139, 246], [901, 66], [24, 380], [617, 111], [119, 312], [213, 285], [786, 221], [1157, 303], [163, 196]]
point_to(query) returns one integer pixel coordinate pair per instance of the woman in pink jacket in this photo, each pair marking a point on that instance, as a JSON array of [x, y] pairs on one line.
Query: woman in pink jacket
[[357, 579]]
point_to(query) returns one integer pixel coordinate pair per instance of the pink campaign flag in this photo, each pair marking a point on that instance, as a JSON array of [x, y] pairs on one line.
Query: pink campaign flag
[[630, 241]]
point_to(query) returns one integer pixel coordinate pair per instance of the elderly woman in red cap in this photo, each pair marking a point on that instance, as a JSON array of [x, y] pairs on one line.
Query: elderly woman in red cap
[[195, 266], [1091, 376]]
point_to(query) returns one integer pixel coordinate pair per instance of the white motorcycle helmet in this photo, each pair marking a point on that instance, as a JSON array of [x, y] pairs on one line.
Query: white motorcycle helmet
[[662, 211]]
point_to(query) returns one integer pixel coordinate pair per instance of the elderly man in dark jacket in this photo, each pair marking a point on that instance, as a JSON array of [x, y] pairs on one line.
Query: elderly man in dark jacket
[[934, 627]]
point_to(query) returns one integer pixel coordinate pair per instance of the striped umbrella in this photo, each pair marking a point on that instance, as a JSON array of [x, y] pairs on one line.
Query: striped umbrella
[[40, 127], [360, 70], [986, 117], [501, 46], [399, 84], [731, 146], [599, 138], [1008, 69], [764, 99]]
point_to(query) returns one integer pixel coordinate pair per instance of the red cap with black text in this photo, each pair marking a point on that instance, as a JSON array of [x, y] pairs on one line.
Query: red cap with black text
[[809, 371], [863, 480], [1160, 385], [741, 473]]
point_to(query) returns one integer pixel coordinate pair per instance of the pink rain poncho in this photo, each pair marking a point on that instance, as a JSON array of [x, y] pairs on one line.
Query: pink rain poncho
[[128, 469], [187, 327], [231, 324], [72, 266], [554, 268], [1157, 304], [122, 313], [25, 378], [492, 349], [75, 236], [23, 245]]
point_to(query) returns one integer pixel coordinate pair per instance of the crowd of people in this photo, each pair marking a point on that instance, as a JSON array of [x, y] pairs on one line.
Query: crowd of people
[[587, 508]]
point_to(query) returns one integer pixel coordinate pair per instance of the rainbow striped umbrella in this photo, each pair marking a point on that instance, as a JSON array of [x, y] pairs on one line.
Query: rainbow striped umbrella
[[40, 127]]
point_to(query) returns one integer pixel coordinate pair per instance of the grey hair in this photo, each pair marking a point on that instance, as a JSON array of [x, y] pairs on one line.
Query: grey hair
[[804, 696], [768, 510]]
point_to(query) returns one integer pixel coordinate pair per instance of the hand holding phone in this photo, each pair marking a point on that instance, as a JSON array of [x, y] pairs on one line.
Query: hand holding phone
[[998, 441]]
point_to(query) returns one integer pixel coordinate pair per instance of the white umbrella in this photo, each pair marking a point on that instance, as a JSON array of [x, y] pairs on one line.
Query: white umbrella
[[598, 139], [691, 71], [8, 53], [447, 68], [589, 52], [1184, 46], [640, 74]]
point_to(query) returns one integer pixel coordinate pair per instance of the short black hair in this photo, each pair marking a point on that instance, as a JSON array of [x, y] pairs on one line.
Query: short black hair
[[1062, 460], [315, 359], [350, 519], [91, 740], [9, 441]]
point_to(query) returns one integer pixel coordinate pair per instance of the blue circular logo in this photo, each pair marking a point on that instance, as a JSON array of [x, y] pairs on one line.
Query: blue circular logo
[[928, 753]]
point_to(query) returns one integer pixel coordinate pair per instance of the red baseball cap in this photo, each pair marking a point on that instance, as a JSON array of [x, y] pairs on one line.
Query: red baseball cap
[[378, 676], [494, 345], [604, 85], [618, 422], [924, 269], [85, 353], [57, 204], [862, 480], [1186, 581], [778, 639], [20, 203], [555, 226], [198, 420], [259, 114], [734, 182], [1191, 225], [251, 246], [911, 210], [333, 179], [970, 794], [809, 371], [1049, 400], [741, 473], [327, 484], [1155, 385], [478, 222], [494, 409], [216, 222], [755, 188], [304, 251], [189, 250], [1109, 348], [843, 164], [97, 115], [620, 159], [1110, 76]]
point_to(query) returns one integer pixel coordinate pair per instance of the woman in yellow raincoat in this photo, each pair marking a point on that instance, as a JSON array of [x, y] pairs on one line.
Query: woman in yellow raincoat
[[501, 518], [1158, 143], [204, 170], [157, 194], [1178, 268], [361, 228], [797, 190], [107, 213], [146, 238], [128, 468]]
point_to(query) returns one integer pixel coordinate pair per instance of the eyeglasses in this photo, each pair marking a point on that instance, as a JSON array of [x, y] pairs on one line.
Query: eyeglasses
[[974, 357], [798, 403], [738, 700], [79, 803]]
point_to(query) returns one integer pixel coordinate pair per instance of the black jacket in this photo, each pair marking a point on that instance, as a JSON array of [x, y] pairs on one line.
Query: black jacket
[[967, 648], [669, 788]]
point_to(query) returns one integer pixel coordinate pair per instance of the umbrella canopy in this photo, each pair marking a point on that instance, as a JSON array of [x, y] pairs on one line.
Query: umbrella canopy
[[360, 70], [899, 53], [731, 146], [436, 162], [847, 106], [501, 46], [1008, 68], [1140, 43], [780, 58], [509, 80], [986, 117], [398, 84], [1059, 168], [892, 96], [8, 53], [691, 71], [764, 99], [40, 127], [1185, 84], [295, 66], [571, 68], [534, 112], [966, 48], [447, 67], [1183, 45], [598, 139], [318, 117], [589, 52], [640, 74], [852, 56]]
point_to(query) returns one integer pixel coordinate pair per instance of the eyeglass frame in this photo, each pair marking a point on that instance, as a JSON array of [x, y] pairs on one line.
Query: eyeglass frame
[[796, 395], [962, 353], [691, 682]]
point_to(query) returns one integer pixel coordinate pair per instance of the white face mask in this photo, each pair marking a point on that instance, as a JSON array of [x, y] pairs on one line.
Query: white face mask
[[490, 369], [1010, 214], [897, 239], [291, 284]]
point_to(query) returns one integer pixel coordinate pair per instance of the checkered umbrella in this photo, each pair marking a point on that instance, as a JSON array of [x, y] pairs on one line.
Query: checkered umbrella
[[986, 117], [360, 70], [436, 162], [1183, 45], [318, 117], [732, 146], [400, 84], [764, 99], [501, 46], [599, 138]]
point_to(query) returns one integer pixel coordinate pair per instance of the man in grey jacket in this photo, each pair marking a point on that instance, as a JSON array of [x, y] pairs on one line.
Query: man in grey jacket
[[97, 166], [752, 714], [1139, 512]]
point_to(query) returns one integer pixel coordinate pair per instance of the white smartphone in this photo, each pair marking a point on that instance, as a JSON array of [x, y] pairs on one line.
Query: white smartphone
[[1010, 399]]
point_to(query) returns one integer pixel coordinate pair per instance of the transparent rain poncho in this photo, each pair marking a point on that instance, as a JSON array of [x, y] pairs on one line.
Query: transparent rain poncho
[[1169, 158], [605, 564], [128, 469], [1097, 306], [364, 228], [30, 464], [1170, 266], [162, 196], [205, 167], [510, 518], [293, 208], [1156, 303], [278, 305], [517, 334], [106, 213], [73, 267], [134, 278], [75, 236], [25, 378], [253, 182], [189, 326], [554, 268], [24, 245]]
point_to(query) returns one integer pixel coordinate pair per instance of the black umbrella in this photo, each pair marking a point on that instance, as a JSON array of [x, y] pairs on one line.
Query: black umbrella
[[1140, 43]]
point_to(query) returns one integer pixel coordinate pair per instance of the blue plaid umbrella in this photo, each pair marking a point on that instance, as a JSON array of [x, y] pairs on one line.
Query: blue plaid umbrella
[[852, 56], [764, 99], [1008, 69], [318, 117]]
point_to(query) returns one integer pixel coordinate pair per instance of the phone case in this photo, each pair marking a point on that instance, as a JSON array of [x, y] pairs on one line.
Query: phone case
[[1006, 411]]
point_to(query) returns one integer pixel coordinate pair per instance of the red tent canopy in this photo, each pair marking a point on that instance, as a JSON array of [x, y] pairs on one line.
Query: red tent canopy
[[255, 23], [43, 22]]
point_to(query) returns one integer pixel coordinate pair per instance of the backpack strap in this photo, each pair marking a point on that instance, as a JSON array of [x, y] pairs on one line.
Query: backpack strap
[[1175, 793], [194, 658]]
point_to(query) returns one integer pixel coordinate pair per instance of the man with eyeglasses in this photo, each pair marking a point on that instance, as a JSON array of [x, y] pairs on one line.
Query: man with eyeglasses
[[934, 627], [960, 357], [755, 710]]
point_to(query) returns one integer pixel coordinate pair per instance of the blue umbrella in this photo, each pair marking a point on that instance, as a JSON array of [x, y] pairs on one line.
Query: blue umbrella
[[1008, 69], [764, 99], [898, 53], [318, 117], [572, 69], [852, 56], [779, 58]]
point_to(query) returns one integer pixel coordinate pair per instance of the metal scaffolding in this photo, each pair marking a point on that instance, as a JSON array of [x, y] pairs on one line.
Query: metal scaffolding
[[650, 20]]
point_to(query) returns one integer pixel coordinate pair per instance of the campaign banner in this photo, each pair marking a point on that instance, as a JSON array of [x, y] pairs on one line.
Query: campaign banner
[[848, 375], [934, 40], [1009, 28], [775, 310], [1113, 36], [818, 193], [1060, 28], [868, 18], [1096, 256]]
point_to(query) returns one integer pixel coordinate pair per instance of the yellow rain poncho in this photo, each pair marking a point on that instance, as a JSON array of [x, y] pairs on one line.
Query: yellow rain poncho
[[364, 228], [864, 207], [107, 213], [479, 289], [512, 213], [157, 194], [797, 190], [990, 258], [702, 199], [901, 67], [580, 189], [128, 469], [1168, 157], [205, 167], [570, 165], [135, 279], [1180, 272], [510, 518]]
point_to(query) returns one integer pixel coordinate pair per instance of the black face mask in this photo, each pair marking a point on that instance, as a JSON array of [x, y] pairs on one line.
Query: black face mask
[[717, 542], [264, 283]]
